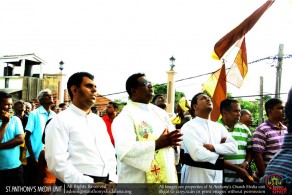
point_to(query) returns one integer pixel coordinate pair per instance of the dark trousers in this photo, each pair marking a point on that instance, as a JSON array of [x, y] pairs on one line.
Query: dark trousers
[[31, 172], [11, 177], [95, 179]]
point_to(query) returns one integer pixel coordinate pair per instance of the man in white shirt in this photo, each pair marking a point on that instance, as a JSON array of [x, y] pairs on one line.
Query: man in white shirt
[[144, 137], [78, 148], [204, 144]]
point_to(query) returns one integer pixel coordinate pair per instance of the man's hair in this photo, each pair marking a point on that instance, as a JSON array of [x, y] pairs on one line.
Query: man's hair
[[244, 112], [41, 95], [195, 98], [18, 102], [155, 97], [132, 82], [271, 103], [226, 104], [195, 101], [4, 95], [288, 111], [76, 79], [115, 105]]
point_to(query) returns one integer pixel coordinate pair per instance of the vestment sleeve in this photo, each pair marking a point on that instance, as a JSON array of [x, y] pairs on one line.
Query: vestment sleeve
[[129, 150]]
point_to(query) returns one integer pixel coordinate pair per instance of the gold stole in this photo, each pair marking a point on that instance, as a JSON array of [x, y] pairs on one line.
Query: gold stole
[[157, 172]]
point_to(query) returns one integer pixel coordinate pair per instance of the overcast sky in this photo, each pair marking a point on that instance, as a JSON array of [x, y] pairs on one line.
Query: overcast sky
[[113, 39]]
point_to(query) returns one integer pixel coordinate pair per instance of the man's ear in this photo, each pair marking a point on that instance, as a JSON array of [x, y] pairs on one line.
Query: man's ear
[[269, 111], [73, 89], [133, 91]]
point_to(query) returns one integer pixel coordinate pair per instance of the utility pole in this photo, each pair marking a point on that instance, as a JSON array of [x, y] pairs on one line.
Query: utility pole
[[261, 100], [279, 71]]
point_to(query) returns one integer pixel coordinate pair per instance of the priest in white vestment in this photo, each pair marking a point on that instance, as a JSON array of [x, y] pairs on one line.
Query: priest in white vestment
[[144, 136], [205, 143]]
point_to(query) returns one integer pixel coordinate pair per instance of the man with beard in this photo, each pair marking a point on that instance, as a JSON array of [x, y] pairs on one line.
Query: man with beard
[[78, 148]]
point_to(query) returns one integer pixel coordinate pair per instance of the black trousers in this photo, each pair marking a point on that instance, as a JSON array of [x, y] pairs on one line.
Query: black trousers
[[95, 179], [10, 177]]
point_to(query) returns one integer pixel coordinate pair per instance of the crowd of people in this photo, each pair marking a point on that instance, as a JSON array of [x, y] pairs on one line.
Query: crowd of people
[[46, 144]]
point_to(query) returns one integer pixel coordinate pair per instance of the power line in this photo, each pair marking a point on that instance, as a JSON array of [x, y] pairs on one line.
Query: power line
[[274, 58], [209, 73], [270, 94]]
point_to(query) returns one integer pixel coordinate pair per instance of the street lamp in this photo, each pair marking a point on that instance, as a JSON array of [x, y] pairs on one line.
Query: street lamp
[[171, 61], [61, 65]]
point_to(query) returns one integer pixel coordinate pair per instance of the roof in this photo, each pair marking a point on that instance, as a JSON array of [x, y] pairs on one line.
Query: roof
[[101, 100], [30, 59], [8, 90]]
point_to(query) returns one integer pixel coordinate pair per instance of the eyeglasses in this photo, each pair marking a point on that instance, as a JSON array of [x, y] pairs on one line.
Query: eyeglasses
[[146, 84]]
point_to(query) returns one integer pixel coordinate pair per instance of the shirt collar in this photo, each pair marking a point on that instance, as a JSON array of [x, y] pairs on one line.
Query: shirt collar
[[78, 110], [42, 110], [201, 120], [141, 105], [274, 126]]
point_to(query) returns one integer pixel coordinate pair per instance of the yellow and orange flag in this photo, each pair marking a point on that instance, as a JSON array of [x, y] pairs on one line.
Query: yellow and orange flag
[[220, 93], [239, 68], [237, 33]]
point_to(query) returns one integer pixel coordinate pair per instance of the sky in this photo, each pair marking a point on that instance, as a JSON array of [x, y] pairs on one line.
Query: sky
[[113, 39]]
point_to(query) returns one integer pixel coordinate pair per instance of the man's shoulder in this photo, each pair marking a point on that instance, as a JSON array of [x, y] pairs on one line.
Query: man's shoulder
[[241, 127], [157, 109], [264, 127], [15, 118]]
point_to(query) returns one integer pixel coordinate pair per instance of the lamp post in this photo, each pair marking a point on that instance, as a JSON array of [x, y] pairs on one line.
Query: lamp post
[[171, 62], [61, 65], [60, 84], [170, 88]]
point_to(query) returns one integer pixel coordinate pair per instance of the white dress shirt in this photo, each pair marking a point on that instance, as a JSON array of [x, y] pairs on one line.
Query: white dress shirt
[[78, 143]]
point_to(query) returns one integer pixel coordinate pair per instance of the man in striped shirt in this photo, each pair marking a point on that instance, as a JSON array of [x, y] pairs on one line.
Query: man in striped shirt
[[235, 166], [281, 164], [269, 136]]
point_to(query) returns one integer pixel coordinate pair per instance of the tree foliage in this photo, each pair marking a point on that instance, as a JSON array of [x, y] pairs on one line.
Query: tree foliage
[[162, 89], [158, 89]]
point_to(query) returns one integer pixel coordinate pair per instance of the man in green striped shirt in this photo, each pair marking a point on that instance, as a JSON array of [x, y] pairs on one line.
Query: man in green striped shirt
[[235, 166]]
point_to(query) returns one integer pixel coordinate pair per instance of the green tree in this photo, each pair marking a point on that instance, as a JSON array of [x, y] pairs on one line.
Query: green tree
[[254, 108], [120, 103], [158, 89], [162, 89]]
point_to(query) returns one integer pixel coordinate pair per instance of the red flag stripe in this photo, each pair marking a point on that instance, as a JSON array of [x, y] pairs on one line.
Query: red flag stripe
[[220, 94]]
